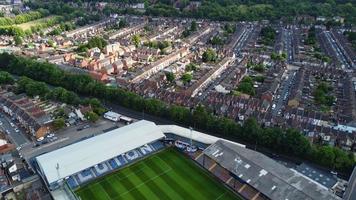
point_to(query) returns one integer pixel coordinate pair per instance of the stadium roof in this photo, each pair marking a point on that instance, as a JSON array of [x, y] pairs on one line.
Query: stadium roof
[[79, 156], [266, 175], [196, 135], [350, 193], [326, 179]]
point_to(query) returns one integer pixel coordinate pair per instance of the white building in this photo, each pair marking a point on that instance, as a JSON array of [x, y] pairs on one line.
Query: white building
[[113, 116]]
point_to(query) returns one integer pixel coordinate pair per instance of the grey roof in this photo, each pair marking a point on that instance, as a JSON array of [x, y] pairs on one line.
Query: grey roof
[[350, 193], [317, 175], [266, 175]]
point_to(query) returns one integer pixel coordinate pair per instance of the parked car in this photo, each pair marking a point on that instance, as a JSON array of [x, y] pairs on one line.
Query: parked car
[[17, 130], [50, 135], [40, 139]]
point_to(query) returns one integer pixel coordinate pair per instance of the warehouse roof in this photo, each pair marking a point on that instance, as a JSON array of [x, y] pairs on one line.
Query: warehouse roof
[[79, 156], [266, 175]]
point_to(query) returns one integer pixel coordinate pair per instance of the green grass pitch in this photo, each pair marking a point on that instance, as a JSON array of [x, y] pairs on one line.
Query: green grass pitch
[[165, 175]]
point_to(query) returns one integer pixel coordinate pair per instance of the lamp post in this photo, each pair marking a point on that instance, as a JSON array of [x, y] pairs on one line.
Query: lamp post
[[191, 136]]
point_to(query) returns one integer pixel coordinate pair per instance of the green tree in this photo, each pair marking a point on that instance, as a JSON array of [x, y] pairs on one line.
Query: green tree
[[170, 76], [209, 55], [18, 40], [6, 78], [193, 26], [191, 67], [216, 40], [136, 39], [91, 116], [123, 23], [58, 123], [186, 78], [268, 35], [246, 86]]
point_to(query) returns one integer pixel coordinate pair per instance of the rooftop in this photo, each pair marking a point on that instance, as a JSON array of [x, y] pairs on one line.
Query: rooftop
[[79, 156], [266, 175]]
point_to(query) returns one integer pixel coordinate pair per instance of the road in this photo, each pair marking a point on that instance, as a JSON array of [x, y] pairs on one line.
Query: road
[[287, 44], [18, 138], [337, 49], [283, 92], [68, 136]]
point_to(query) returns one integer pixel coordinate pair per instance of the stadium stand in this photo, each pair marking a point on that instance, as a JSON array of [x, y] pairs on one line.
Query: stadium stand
[[317, 175], [255, 176], [88, 159], [184, 134], [171, 136], [350, 192], [109, 166]]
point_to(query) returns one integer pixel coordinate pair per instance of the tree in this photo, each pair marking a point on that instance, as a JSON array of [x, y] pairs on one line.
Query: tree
[[18, 40], [287, 142], [122, 23], [93, 42], [6, 78], [193, 26], [216, 40], [190, 67], [252, 129], [229, 28], [186, 33], [186, 78], [246, 86], [58, 123], [136, 39], [209, 55], [170, 76], [91, 116]]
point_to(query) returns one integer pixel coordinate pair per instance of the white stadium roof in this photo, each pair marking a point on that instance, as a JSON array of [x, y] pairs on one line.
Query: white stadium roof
[[196, 135], [79, 156]]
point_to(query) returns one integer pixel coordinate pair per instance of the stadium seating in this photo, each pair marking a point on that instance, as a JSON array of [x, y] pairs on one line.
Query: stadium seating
[[122, 159], [157, 145], [115, 163], [248, 192], [72, 183], [100, 169], [221, 173], [132, 155]]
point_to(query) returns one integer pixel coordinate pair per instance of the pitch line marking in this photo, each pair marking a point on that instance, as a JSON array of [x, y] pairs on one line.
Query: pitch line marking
[[220, 196], [143, 183]]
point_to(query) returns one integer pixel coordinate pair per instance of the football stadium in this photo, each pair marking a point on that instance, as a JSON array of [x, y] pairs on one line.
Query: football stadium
[[148, 161]]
